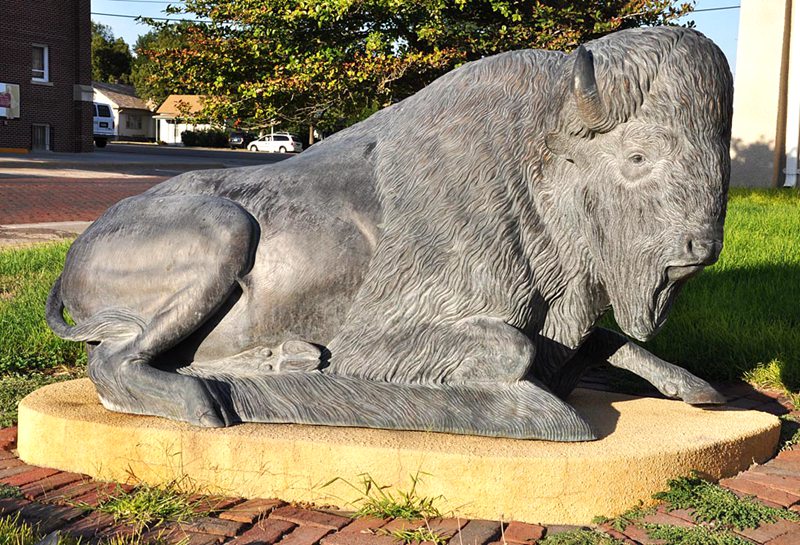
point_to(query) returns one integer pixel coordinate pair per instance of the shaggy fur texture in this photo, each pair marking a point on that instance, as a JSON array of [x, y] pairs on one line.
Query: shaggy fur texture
[[450, 254]]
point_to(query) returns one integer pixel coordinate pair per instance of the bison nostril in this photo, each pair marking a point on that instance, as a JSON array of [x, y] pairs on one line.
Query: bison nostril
[[700, 252]]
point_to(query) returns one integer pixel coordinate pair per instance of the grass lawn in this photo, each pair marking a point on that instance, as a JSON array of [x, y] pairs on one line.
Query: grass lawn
[[738, 319]]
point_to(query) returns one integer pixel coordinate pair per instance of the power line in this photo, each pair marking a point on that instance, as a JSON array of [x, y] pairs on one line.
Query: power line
[[209, 21], [693, 11], [147, 1], [154, 18]]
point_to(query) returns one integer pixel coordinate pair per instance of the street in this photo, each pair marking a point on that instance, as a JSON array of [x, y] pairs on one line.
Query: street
[[62, 187]]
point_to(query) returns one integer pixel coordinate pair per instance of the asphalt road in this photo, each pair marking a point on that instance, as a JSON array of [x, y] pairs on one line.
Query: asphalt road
[[170, 153], [65, 187]]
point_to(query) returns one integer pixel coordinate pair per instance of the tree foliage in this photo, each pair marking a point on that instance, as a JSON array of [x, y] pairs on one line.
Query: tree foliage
[[332, 62], [146, 76], [111, 57]]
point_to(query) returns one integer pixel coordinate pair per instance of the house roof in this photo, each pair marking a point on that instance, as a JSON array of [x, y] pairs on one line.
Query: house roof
[[123, 96], [177, 105]]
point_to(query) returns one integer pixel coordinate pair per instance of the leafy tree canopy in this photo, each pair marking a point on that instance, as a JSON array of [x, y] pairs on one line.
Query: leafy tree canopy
[[333, 62], [111, 58], [146, 75]]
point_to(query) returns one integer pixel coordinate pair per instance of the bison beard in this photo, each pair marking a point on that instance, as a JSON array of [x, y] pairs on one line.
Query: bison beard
[[439, 266]]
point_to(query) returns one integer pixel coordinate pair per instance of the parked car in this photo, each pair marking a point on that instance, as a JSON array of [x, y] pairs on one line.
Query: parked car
[[240, 139], [103, 126], [281, 142]]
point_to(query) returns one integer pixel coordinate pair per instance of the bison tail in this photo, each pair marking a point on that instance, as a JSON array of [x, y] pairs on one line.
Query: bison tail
[[106, 324]]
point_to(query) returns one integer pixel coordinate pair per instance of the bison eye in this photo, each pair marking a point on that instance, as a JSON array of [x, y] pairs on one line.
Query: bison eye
[[636, 159]]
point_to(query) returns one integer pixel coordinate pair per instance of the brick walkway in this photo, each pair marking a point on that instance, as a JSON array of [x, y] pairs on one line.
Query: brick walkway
[[38, 200], [50, 497]]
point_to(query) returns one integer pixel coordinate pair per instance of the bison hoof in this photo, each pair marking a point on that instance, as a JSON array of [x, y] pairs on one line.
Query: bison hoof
[[205, 409], [704, 396], [298, 356]]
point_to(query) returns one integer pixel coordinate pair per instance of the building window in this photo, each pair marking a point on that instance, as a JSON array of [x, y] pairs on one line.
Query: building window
[[41, 63], [41, 137], [133, 122]]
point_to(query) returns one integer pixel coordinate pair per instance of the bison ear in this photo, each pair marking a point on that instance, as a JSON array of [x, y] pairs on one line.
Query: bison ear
[[558, 144]]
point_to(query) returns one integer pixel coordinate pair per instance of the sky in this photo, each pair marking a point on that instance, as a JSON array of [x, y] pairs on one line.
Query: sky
[[721, 25]]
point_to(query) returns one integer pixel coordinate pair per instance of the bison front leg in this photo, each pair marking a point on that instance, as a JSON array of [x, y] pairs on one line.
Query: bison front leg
[[671, 380], [499, 356]]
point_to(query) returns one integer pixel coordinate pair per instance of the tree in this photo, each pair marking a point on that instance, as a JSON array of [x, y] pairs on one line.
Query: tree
[[330, 62], [146, 76], [111, 58]]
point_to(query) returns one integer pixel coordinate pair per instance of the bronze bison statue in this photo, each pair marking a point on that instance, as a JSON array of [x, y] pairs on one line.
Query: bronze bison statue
[[439, 266]]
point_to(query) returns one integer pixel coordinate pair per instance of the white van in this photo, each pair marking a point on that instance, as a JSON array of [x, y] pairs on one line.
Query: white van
[[104, 129]]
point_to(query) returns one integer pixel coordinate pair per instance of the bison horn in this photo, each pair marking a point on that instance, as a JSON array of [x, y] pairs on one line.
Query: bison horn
[[587, 98]]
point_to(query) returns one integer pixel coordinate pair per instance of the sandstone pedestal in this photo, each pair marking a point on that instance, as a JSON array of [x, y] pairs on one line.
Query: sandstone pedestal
[[644, 442]]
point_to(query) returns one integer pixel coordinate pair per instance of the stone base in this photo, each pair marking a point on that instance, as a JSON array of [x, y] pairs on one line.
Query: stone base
[[645, 442]]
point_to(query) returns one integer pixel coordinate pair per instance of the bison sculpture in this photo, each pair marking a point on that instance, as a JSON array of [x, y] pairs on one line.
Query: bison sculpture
[[439, 266]]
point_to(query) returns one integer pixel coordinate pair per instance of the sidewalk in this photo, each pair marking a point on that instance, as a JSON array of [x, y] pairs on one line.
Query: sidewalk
[[17, 236]]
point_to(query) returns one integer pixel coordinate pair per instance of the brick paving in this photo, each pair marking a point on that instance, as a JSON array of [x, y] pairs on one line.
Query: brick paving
[[41, 200], [51, 497]]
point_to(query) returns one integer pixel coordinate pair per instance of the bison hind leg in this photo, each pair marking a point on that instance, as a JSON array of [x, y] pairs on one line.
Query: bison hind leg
[[207, 247]]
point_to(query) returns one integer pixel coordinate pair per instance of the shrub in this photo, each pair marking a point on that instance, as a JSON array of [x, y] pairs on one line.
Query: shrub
[[205, 138]]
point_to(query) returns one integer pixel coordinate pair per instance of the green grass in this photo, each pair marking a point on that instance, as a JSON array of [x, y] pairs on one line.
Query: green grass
[[743, 312], [15, 532], [713, 504], [415, 536], [149, 506], [379, 501], [26, 343], [15, 386], [631, 516], [579, 537], [790, 432], [698, 535], [8, 491]]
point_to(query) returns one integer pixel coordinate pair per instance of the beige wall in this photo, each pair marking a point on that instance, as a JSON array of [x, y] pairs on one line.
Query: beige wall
[[759, 112], [147, 127]]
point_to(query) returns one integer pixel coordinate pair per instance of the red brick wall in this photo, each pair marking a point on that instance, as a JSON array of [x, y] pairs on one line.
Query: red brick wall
[[65, 27]]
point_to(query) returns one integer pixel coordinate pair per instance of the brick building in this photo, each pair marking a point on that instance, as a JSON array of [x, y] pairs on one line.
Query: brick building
[[45, 75]]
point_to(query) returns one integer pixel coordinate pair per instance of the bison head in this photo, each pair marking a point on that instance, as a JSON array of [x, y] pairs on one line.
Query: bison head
[[642, 156]]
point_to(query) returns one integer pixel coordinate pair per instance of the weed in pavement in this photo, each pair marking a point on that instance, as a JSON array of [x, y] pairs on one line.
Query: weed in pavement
[[697, 535], [8, 491], [713, 504], [379, 501], [631, 516], [15, 532], [148, 506], [790, 432], [422, 534], [580, 537]]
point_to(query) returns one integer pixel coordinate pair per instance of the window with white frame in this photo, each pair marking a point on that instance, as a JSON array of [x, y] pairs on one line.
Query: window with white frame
[[41, 63]]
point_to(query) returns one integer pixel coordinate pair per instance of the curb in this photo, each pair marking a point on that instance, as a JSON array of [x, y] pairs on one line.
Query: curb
[[101, 167]]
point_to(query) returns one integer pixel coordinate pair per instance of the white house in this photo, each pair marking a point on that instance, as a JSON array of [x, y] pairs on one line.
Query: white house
[[132, 118], [170, 117]]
